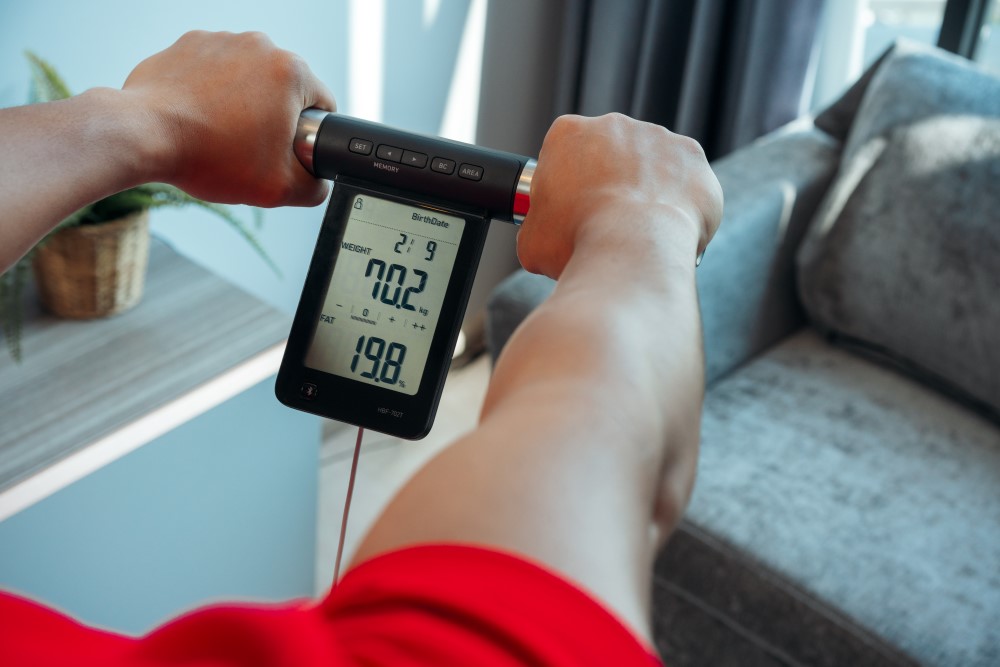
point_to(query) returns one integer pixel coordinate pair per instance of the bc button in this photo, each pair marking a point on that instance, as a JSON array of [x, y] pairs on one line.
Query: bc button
[[442, 165]]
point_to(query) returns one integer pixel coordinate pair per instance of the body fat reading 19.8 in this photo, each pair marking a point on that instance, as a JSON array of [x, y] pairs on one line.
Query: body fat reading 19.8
[[381, 309]]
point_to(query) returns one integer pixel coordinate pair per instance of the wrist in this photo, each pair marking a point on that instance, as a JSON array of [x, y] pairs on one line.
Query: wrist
[[128, 136], [642, 228]]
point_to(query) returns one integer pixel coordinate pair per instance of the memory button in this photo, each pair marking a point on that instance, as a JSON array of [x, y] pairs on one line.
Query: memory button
[[413, 159], [471, 172], [390, 153]]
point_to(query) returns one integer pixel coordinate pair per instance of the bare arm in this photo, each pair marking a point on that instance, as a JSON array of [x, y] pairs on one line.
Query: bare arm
[[214, 115], [586, 449]]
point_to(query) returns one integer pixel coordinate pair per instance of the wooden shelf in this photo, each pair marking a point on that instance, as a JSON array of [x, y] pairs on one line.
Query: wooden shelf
[[88, 392]]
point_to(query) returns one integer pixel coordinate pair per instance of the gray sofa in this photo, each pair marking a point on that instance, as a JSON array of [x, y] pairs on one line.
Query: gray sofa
[[847, 508]]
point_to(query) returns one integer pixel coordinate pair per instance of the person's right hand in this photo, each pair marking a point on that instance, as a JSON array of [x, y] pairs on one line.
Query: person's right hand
[[223, 109], [591, 171]]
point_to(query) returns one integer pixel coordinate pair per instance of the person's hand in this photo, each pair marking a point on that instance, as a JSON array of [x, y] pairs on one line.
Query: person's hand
[[591, 171], [223, 109]]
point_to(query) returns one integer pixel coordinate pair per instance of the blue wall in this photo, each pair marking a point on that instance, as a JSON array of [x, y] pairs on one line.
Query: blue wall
[[98, 42], [94, 548], [219, 509]]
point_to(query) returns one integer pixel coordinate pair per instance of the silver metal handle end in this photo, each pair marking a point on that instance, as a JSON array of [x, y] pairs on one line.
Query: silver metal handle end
[[305, 136]]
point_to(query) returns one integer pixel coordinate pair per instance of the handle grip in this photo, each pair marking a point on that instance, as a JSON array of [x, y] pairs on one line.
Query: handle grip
[[331, 145]]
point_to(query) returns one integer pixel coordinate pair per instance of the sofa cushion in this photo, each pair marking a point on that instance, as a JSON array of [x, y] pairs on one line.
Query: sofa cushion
[[868, 492], [903, 257], [745, 285], [714, 605]]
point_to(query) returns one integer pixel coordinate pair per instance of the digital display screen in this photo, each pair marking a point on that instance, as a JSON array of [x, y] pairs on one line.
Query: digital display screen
[[384, 299]]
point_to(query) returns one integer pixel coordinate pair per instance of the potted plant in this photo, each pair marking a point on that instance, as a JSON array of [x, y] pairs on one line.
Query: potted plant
[[94, 263]]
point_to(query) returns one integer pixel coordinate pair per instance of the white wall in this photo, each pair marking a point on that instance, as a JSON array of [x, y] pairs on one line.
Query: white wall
[[411, 63]]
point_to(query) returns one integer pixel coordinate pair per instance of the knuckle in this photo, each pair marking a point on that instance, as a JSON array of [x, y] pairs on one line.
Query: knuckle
[[617, 118], [525, 245], [614, 124], [690, 147], [565, 124], [274, 194], [287, 66], [561, 129], [256, 38], [192, 39]]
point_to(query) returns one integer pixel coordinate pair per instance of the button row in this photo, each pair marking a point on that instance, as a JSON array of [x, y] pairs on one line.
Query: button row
[[417, 160]]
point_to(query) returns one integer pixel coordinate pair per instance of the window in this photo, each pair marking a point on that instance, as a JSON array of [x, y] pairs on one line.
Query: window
[[988, 50], [885, 21], [854, 33]]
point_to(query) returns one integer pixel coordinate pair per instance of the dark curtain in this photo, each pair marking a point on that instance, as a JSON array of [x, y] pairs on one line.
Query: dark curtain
[[721, 71]]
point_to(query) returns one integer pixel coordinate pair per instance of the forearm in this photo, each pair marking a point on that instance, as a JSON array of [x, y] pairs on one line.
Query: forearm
[[213, 115], [61, 156], [595, 398], [588, 438], [619, 342]]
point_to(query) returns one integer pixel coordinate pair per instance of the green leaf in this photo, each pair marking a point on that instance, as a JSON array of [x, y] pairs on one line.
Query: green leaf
[[12, 285], [167, 195], [72, 220], [46, 84], [118, 206]]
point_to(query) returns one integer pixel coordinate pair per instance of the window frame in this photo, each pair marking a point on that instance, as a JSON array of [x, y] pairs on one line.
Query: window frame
[[962, 25]]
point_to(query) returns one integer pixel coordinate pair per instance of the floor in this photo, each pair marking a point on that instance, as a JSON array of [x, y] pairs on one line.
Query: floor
[[386, 463]]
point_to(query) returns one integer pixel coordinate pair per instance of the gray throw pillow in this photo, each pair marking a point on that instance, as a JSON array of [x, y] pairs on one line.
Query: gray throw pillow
[[903, 257]]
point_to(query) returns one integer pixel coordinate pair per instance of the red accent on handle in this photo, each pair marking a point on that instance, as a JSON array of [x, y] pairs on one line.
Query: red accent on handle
[[521, 203]]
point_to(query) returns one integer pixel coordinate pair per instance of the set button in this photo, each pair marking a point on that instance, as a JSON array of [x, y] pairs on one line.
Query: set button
[[361, 146]]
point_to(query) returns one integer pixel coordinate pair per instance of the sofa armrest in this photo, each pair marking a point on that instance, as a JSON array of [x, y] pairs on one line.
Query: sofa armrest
[[510, 303], [746, 281]]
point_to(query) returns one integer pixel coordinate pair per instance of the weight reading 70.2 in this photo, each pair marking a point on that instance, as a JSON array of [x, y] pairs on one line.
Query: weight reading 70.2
[[396, 274]]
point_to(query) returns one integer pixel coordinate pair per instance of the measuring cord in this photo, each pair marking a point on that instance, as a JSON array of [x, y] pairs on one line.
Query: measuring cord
[[347, 505]]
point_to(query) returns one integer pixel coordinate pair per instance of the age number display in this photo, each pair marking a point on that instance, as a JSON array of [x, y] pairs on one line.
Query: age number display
[[384, 299]]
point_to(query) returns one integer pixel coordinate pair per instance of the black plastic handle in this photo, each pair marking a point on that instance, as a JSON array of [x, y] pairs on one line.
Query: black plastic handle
[[331, 145]]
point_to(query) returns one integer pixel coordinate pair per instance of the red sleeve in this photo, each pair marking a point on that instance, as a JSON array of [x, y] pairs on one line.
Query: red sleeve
[[426, 605]]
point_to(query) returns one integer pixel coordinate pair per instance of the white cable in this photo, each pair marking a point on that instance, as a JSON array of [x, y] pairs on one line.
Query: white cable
[[347, 505]]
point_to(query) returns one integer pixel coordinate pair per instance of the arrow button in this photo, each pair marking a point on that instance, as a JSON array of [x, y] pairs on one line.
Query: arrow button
[[412, 159], [388, 153]]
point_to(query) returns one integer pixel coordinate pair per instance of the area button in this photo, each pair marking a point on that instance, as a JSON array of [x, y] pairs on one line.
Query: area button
[[471, 172]]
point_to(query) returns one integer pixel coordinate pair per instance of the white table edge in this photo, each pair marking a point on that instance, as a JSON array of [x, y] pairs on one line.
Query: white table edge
[[134, 435]]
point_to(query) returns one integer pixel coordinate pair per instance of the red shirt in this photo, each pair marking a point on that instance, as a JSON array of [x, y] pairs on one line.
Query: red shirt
[[425, 605]]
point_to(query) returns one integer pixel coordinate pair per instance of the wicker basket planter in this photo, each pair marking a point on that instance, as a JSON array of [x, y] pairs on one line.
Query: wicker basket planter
[[93, 271]]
